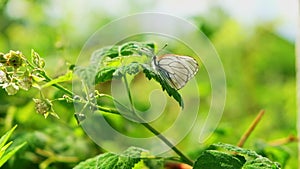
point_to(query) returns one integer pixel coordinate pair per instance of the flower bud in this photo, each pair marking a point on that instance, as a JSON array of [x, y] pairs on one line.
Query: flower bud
[[43, 106], [14, 58]]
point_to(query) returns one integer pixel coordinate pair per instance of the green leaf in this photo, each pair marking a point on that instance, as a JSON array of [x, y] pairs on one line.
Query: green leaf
[[253, 160], [105, 74], [86, 74], [103, 53], [4, 148], [67, 77], [6, 136], [10, 153], [137, 48], [261, 163], [37, 60], [131, 69], [150, 74], [106, 68], [5, 155], [111, 51], [212, 159], [121, 58], [127, 49], [116, 61], [236, 149], [275, 153], [126, 160], [108, 72]]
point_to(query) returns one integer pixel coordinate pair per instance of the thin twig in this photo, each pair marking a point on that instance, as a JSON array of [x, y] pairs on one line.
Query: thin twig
[[246, 135], [129, 95], [283, 141], [184, 158]]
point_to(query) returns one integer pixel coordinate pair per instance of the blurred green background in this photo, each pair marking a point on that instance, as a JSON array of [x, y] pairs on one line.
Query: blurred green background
[[255, 42]]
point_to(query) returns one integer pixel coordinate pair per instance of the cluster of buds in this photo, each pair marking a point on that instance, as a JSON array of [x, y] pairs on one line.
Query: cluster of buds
[[16, 73], [13, 72], [44, 107]]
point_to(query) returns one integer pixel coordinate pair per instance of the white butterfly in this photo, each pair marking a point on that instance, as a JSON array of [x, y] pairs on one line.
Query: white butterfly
[[175, 69]]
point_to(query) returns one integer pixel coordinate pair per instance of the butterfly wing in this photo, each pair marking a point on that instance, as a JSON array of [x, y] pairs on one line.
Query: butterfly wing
[[176, 70]]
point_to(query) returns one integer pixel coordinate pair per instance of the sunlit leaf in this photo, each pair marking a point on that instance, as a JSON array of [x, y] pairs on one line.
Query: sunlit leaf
[[6, 136], [275, 153], [128, 60], [37, 60], [66, 77], [126, 160], [228, 154], [104, 74], [212, 159], [261, 163], [10, 153], [86, 74], [4, 154]]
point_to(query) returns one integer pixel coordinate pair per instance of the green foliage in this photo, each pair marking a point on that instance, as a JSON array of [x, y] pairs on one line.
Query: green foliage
[[52, 147], [229, 157], [64, 78], [274, 153], [16, 72], [107, 60], [120, 59], [126, 160], [37, 60], [234, 158], [116, 61], [217, 160], [6, 154]]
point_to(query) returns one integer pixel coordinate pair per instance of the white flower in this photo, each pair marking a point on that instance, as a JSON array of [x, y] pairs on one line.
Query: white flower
[[11, 88], [2, 76]]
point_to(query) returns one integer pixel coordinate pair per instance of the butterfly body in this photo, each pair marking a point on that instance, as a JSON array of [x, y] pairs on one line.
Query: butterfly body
[[175, 69]]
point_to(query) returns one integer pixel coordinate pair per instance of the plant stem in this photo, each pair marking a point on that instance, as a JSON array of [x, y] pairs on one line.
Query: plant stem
[[183, 157], [284, 141], [250, 129], [129, 95], [48, 79]]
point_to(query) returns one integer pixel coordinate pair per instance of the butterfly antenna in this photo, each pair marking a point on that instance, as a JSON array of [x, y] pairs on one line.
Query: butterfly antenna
[[162, 48]]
